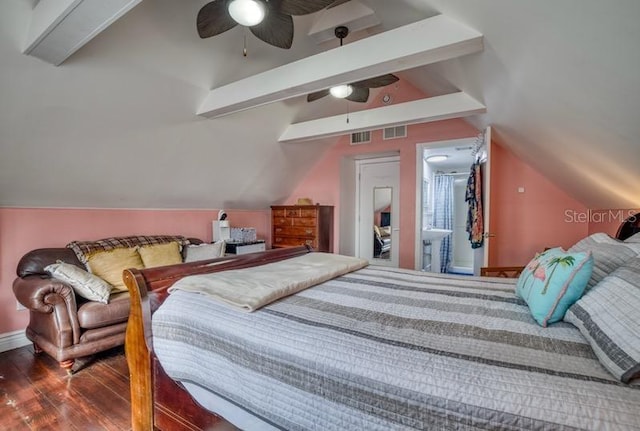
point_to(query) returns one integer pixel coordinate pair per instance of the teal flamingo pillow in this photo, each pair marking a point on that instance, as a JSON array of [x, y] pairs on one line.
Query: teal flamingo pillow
[[552, 282]]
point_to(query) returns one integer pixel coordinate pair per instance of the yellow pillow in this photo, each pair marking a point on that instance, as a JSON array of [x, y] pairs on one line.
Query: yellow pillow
[[109, 265], [160, 254]]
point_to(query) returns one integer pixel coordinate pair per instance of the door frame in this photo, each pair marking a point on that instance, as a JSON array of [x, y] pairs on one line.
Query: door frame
[[358, 164], [420, 147], [483, 252]]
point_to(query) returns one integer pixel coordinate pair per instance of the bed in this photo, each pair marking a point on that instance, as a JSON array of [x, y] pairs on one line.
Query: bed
[[377, 348]]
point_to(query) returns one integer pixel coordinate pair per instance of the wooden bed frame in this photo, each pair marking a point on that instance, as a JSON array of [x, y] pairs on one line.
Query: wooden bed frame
[[157, 401]]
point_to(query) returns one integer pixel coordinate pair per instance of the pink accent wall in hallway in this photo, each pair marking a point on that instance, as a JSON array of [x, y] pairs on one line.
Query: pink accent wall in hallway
[[322, 184], [24, 229], [526, 223]]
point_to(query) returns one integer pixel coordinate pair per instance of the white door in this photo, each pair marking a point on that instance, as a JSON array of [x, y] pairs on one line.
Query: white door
[[481, 254], [379, 211]]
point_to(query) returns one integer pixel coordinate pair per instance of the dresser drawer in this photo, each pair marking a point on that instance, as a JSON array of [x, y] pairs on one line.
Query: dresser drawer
[[292, 212], [294, 231], [308, 212], [281, 241], [282, 221], [304, 221]]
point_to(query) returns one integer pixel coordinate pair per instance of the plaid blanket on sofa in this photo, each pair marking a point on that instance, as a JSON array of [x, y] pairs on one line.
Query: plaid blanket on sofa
[[83, 249]]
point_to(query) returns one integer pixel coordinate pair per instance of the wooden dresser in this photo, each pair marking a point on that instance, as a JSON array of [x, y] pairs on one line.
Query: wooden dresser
[[293, 225]]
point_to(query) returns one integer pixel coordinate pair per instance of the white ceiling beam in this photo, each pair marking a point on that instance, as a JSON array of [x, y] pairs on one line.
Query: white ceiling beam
[[352, 14], [59, 28], [445, 107], [424, 42]]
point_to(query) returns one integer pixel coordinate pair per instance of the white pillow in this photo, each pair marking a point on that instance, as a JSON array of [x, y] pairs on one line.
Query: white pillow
[[608, 254], [607, 316], [635, 238], [85, 284], [204, 251]]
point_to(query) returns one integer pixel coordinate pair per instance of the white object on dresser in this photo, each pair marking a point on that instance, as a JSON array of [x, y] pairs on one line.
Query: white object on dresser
[[221, 230]]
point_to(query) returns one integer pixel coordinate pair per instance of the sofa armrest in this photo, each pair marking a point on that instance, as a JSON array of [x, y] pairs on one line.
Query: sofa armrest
[[33, 292], [48, 295]]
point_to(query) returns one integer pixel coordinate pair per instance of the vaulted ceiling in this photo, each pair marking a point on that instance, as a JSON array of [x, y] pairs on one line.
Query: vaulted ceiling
[[115, 125]]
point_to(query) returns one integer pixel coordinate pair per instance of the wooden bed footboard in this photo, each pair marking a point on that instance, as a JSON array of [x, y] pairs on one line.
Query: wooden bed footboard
[[157, 402]]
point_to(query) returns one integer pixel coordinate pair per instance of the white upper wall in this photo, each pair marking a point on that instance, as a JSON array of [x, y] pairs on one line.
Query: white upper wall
[[115, 124], [58, 28], [561, 84]]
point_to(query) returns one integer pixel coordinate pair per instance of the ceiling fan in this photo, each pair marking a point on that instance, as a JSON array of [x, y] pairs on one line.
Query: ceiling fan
[[269, 20], [356, 91]]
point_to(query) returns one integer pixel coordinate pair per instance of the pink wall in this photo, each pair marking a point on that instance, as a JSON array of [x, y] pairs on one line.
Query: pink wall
[[322, 183], [608, 221], [25, 229], [524, 223], [542, 216]]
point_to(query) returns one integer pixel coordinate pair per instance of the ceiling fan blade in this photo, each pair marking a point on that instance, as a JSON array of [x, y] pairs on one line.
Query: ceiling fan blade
[[378, 81], [317, 95], [359, 94], [303, 7], [276, 29], [214, 19], [337, 3]]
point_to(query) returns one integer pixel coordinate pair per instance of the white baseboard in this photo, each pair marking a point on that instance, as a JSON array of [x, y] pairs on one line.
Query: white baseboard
[[13, 340]]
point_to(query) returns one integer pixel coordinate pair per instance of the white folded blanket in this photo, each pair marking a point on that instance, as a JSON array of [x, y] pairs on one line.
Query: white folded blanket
[[251, 288]]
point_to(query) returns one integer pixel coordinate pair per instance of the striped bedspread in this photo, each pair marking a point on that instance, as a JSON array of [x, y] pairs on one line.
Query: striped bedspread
[[392, 349]]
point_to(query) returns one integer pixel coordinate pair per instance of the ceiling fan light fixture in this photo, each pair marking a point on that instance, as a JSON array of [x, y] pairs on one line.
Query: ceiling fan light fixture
[[341, 91], [247, 12]]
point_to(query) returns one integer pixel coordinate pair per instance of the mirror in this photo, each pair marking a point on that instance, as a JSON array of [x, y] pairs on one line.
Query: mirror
[[382, 222]]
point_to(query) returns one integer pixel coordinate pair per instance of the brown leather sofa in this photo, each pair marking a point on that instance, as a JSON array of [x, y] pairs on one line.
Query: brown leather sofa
[[63, 324]]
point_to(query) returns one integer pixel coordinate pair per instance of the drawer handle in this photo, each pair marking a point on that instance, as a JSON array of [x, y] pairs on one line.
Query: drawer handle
[[278, 239], [309, 231], [279, 229], [309, 242]]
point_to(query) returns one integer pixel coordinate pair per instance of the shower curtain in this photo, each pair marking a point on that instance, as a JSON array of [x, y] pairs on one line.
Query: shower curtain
[[443, 215]]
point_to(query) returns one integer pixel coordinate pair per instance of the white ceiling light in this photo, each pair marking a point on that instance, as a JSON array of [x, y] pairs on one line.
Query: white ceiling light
[[247, 12], [437, 158], [341, 91]]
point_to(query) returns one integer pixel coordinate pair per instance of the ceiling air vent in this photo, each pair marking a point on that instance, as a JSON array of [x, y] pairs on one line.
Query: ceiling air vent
[[361, 137], [395, 132]]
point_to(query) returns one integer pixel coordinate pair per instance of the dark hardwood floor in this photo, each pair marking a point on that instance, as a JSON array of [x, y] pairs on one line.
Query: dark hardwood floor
[[38, 395]]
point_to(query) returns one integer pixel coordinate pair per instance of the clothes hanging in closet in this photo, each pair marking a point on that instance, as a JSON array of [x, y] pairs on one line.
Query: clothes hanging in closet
[[473, 196]]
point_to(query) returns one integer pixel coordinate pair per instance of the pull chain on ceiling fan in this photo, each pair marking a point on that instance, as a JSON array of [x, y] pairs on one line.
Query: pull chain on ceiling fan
[[356, 91], [269, 20]]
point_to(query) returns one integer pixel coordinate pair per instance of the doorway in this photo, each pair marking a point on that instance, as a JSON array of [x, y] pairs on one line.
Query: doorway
[[378, 210], [443, 182]]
